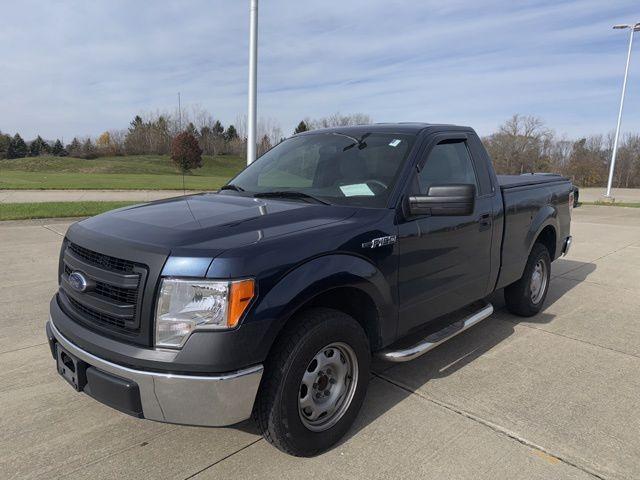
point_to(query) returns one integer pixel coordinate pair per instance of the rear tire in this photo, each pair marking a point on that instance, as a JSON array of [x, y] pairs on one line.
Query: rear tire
[[314, 383], [526, 296]]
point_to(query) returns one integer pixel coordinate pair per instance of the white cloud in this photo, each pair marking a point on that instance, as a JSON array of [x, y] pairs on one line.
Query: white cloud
[[75, 68]]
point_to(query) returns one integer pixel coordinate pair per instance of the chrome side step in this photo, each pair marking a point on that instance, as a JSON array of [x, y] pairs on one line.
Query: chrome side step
[[435, 339]]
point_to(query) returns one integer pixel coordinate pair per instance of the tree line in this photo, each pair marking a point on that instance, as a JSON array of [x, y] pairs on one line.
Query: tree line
[[525, 144], [153, 133], [16, 147], [522, 144]]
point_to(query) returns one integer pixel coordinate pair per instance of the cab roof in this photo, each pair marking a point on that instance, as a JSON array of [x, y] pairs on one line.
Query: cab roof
[[409, 128]]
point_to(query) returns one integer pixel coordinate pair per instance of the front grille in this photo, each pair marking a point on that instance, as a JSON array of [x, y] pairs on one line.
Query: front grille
[[118, 294], [97, 317], [102, 260], [113, 298], [123, 295]]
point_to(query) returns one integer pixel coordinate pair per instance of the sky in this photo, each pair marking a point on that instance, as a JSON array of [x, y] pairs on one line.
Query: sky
[[78, 68]]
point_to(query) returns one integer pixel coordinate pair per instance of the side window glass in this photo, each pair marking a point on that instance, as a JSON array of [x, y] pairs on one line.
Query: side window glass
[[447, 163]]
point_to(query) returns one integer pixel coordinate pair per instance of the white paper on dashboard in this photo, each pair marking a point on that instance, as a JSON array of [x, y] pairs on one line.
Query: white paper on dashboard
[[357, 189]]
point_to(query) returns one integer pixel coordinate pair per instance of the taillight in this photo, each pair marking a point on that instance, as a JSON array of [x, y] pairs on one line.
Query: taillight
[[571, 197]]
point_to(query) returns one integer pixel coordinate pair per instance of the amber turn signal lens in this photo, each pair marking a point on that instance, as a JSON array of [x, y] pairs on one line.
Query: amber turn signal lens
[[240, 295]]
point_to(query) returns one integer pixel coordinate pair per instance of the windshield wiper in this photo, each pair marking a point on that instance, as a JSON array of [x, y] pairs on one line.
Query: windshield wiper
[[289, 194], [360, 142], [231, 186]]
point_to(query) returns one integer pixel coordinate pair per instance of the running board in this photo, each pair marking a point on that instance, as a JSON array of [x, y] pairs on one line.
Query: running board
[[435, 339]]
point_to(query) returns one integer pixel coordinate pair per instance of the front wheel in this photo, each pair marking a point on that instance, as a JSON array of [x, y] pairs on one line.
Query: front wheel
[[526, 296], [314, 383]]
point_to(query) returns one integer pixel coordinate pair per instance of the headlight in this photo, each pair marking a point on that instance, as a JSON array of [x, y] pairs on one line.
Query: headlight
[[185, 305]]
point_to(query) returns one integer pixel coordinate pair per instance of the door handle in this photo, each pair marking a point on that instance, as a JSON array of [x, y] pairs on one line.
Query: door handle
[[485, 221]]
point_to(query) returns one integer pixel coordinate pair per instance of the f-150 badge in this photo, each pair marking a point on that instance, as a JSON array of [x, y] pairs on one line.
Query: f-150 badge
[[380, 242]]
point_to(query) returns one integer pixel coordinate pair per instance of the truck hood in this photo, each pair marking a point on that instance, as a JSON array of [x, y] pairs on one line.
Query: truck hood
[[207, 224]]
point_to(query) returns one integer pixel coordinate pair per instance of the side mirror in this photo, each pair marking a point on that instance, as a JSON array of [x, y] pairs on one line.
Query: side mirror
[[444, 200]]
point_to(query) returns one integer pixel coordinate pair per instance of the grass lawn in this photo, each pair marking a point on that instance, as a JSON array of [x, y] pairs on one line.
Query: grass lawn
[[134, 172], [23, 211]]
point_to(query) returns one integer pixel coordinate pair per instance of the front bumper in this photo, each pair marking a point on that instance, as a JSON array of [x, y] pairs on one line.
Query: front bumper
[[215, 401]]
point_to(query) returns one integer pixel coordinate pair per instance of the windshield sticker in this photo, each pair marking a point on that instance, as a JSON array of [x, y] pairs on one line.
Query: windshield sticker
[[395, 142], [357, 189]]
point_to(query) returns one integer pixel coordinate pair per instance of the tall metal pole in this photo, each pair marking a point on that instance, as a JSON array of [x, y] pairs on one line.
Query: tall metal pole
[[253, 82], [624, 89], [179, 114]]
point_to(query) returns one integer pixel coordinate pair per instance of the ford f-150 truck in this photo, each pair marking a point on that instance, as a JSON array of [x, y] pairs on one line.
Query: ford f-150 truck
[[268, 298]]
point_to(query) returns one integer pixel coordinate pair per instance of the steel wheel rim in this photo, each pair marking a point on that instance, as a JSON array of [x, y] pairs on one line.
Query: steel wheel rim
[[538, 283], [328, 386]]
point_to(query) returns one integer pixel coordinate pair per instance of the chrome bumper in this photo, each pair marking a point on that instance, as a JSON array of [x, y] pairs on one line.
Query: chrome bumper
[[567, 245], [213, 401]]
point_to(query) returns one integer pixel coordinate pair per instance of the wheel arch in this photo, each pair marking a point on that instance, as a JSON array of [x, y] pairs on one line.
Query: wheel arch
[[354, 302], [548, 237], [344, 282], [543, 229]]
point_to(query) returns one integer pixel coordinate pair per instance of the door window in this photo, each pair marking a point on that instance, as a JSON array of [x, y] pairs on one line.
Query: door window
[[448, 163]]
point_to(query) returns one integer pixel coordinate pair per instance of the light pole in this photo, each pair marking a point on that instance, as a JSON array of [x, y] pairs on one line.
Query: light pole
[[634, 28], [253, 81]]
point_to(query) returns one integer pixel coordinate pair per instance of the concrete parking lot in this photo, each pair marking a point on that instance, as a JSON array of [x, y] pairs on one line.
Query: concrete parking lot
[[556, 396]]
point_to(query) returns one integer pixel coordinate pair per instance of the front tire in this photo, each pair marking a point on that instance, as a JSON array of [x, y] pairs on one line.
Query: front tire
[[314, 383], [526, 296]]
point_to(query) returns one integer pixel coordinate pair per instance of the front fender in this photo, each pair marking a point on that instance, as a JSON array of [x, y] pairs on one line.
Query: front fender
[[321, 275]]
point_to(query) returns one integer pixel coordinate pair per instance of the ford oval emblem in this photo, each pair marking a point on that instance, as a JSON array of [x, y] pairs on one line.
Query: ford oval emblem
[[78, 281]]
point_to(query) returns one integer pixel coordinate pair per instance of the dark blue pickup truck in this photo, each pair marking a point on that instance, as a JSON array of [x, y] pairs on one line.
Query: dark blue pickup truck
[[269, 297]]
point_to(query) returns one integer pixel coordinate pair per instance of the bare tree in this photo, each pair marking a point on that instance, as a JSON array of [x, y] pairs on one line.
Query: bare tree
[[588, 162], [338, 120], [628, 163], [270, 128], [264, 145], [522, 144], [117, 141]]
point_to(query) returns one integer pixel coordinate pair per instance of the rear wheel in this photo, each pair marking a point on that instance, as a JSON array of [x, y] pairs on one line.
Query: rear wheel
[[526, 296], [314, 383]]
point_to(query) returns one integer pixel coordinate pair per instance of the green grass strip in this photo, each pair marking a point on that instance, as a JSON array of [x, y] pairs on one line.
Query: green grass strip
[[24, 211], [136, 172]]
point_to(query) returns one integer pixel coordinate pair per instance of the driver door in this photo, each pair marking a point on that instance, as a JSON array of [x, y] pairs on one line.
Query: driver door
[[444, 261]]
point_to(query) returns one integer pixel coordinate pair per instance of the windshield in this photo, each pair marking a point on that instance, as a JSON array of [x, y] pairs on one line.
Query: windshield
[[354, 169]]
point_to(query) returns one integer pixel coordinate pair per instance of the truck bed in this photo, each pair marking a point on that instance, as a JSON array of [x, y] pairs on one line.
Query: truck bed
[[513, 181], [527, 201]]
